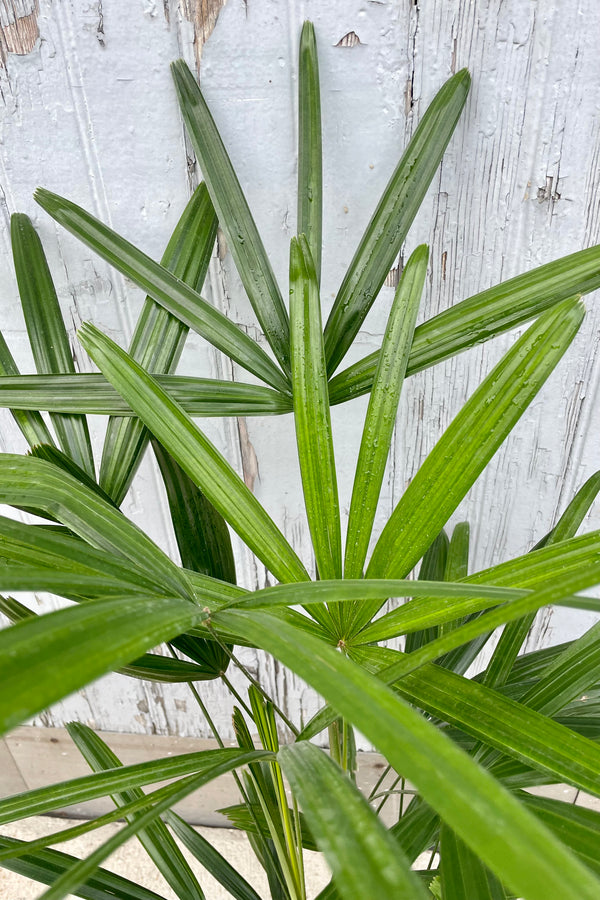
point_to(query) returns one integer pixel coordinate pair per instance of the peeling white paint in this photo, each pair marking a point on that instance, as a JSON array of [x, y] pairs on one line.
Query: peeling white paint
[[97, 121]]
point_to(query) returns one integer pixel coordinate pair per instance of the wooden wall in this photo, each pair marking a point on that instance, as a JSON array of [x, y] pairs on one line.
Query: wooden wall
[[88, 111]]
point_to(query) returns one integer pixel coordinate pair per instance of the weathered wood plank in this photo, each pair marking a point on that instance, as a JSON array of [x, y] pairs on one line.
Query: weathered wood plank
[[89, 112]]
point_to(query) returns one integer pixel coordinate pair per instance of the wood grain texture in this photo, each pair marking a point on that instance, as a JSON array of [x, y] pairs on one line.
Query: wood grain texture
[[89, 112]]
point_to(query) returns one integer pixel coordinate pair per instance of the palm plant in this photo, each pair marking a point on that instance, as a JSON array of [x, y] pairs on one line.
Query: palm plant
[[470, 747]]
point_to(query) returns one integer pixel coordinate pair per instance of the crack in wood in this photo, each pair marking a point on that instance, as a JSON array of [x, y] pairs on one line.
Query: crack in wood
[[18, 27], [203, 15]]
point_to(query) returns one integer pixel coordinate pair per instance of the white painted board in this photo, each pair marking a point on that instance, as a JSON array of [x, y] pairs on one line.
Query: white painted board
[[88, 111]]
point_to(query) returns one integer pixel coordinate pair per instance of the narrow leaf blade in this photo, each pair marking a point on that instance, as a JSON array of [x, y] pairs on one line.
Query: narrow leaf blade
[[234, 214], [47, 334], [195, 454], [160, 284], [393, 217]]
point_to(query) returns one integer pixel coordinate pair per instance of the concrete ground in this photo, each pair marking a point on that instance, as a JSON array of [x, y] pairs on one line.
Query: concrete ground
[[131, 861]]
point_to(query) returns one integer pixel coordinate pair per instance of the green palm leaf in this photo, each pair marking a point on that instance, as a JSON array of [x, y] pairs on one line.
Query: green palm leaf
[[471, 440], [160, 284], [159, 337], [393, 217], [47, 334], [195, 454], [234, 214]]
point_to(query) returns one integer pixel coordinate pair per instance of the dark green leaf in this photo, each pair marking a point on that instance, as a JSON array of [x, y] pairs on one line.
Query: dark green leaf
[[159, 337], [393, 217], [234, 214], [310, 162], [47, 334]]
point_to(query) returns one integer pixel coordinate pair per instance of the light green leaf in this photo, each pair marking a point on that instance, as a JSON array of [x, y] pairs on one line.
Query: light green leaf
[[311, 412], [234, 215], [310, 161], [471, 440], [496, 720], [483, 316], [381, 413], [34, 482], [39, 801], [92, 393], [491, 822], [366, 862], [556, 587], [160, 284], [195, 454], [150, 806], [89, 640], [47, 334], [528, 571], [159, 337], [35, 546], [156, 839], [393, 217], [462, 874]]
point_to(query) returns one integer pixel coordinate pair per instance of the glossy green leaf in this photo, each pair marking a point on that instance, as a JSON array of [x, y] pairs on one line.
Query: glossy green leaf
[[493, 824], [311, 412], [381, 413], [234, 214], [310, 154], [159, 337], [471, 440], [481, 317], [43, 800], [366, 862], [160, 284], [575, 670], [89, 640], [462, 874], [36, 547], [527, 571], [45, 866], [38, 483], [156, 839], [513, 636], [92, 393], [62, 461], [150, 808], [393, 217], [487, 715], [557, 587], [576, 827], [47, 334], [196, 455], [167, 670], [32, 426]]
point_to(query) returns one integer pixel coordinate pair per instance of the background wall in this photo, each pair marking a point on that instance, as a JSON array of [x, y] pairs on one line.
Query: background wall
[[88, 111]]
